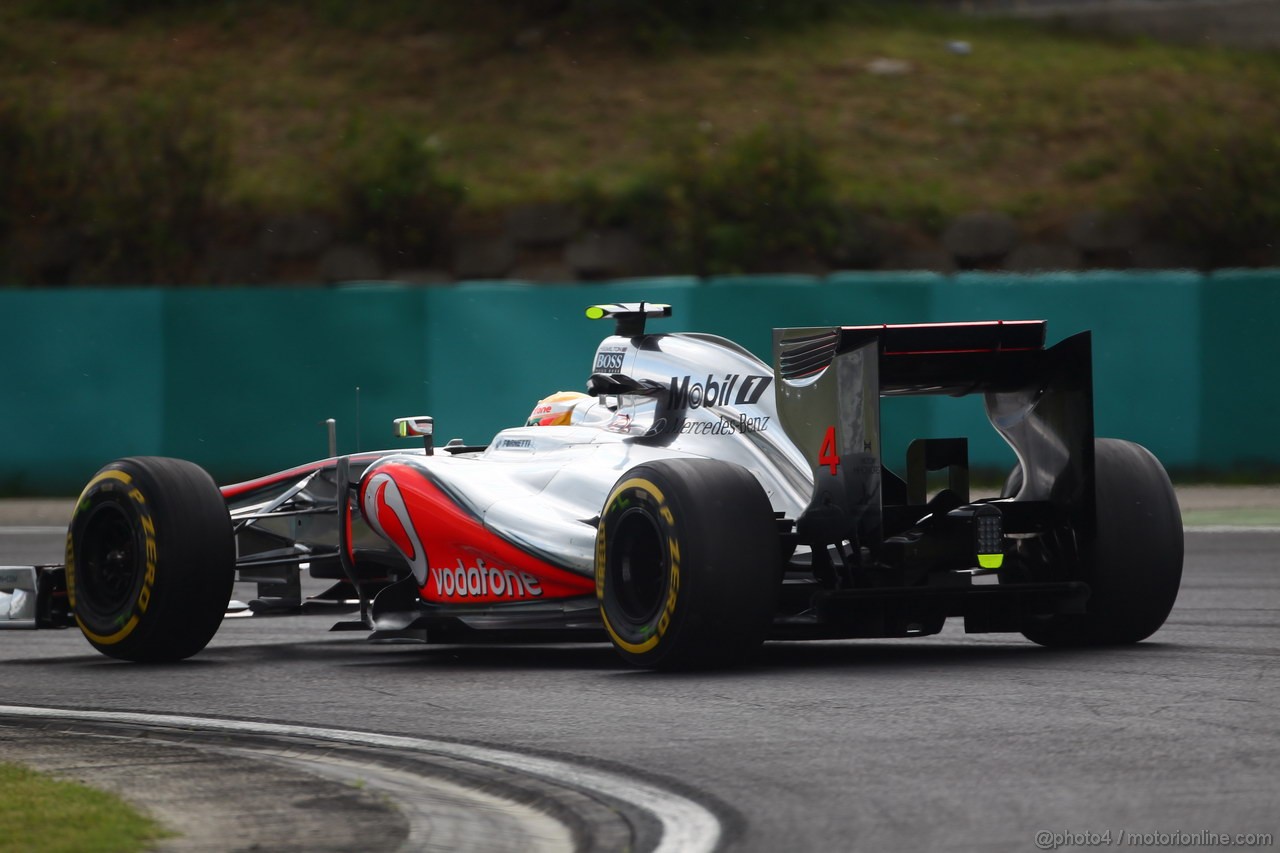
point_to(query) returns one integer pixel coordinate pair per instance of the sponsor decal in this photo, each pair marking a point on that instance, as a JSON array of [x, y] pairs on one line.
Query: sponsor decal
[[450, 530], [725, 426], [384, 507], [732, 389], [620, 423], [149, 549], [484, 581], [111, 481], [640, 491], [515, 444], [389, 517], [10, 580], [609, 361]]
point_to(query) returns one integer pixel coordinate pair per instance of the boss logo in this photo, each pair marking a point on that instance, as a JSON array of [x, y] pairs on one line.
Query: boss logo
[[609, 362]]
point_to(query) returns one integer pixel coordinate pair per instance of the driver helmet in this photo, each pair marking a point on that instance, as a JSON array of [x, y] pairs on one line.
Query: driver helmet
[[556, 409]]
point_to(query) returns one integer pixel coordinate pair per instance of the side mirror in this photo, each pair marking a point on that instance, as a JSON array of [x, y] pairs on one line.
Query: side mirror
[[420, 425]]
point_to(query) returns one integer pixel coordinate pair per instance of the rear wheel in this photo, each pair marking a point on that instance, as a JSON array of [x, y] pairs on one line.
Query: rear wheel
[[687, 569], [1134, 568], [150, 559]]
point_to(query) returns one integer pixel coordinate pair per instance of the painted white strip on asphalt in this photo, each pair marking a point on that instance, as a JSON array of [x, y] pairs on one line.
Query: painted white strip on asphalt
[[686, 826], [1233, 528], [35, 531]]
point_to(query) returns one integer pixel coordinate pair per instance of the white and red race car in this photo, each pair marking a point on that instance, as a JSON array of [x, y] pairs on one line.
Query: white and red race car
[[692, 504]]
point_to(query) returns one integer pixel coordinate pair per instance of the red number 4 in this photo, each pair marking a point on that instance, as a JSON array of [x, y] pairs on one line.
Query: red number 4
[[827, 453]]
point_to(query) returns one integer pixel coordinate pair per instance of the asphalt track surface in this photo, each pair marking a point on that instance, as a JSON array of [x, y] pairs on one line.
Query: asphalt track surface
[[952, 742]]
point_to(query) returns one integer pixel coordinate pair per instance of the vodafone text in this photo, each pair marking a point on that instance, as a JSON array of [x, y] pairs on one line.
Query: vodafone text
[[480, 581]]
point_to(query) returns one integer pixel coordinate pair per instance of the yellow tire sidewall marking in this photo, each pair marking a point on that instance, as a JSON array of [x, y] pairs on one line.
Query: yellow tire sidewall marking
[[673, 551], [70, 551], [151, 554], [109, 639]]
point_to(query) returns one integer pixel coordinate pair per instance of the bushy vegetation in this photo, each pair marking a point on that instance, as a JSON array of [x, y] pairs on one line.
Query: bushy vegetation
[[1213, 186], [747, 205], [663, 24], [126, 194], [649, 19], [394, 198]]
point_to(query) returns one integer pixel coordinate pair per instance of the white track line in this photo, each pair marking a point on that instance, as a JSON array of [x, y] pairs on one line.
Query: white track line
[[686, 826], [1232, 528]]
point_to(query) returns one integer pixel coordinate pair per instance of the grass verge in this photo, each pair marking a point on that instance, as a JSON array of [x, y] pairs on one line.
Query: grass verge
[[38, 812]]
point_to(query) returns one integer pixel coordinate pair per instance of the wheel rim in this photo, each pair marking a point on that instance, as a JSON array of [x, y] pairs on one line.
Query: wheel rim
[[637, 566], [109, 559]]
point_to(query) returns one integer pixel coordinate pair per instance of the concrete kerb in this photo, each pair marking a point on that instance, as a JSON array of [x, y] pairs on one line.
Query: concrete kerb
[[261, 791]]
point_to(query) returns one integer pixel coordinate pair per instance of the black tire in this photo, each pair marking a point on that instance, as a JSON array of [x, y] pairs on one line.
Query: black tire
[[687, 569], [1134, 567], [150, 559]]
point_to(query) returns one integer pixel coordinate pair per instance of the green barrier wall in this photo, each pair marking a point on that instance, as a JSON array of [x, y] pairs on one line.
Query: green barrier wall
[[82, 380], [1240, 370], [240, 380]]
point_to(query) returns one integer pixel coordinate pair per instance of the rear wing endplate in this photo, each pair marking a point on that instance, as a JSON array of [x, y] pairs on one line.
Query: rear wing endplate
[[830, 381]]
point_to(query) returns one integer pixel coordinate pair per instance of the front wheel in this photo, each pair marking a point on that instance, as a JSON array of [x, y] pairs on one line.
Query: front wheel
[[150, 559], [687, 568], [1134, 568]]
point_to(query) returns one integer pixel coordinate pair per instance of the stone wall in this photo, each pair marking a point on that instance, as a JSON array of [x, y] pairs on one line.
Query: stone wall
[[551, 243]]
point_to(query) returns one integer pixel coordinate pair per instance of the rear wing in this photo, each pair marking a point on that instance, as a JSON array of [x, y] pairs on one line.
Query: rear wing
[[830, 381]]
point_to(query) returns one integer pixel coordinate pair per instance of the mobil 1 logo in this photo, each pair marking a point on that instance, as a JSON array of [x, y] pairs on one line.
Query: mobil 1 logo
[[732, 389]]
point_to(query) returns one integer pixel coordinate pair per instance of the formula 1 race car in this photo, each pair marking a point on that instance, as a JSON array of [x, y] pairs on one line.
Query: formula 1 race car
[[692, 504]]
